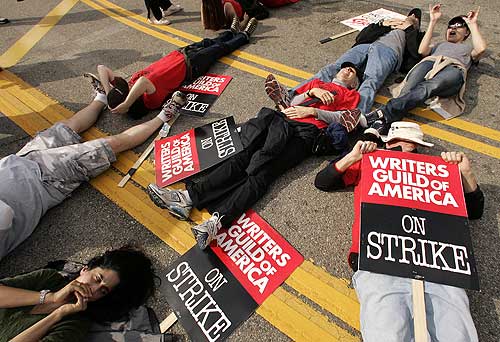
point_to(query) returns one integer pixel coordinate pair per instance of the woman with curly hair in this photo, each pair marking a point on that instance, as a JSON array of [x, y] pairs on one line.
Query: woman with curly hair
[[44, 305]]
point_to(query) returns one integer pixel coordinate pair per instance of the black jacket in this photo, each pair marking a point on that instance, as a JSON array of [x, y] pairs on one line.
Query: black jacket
[[413, 38]]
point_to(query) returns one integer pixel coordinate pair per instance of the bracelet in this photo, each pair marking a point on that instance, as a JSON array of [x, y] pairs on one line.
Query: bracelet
[[43, 293]]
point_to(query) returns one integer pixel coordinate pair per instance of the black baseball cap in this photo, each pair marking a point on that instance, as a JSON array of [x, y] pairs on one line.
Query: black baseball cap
[[359, 74], [457, 22]]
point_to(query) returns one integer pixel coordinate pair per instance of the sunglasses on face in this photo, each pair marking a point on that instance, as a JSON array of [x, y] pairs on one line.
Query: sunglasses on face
[[456, 25]]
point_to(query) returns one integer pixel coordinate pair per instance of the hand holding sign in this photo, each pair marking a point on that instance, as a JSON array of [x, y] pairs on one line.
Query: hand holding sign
[[362, 147], [468, 179], [414, 220]]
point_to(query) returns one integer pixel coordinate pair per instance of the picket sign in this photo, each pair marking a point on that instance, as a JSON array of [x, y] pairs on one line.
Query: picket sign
[[361, 21], [419, 318]]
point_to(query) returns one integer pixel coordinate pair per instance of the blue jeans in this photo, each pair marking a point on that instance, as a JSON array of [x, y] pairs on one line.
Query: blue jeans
[[378, 61], [417, 89], [387, 310]]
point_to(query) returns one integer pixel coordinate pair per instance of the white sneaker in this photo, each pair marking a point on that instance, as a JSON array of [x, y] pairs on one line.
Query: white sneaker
[[205, 232], [174, 8], [162, 21]]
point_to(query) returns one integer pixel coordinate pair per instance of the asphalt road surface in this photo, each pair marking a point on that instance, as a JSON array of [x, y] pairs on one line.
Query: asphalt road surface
[[50, 55]]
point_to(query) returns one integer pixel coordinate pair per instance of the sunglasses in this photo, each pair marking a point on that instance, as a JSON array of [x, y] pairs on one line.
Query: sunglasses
[[456, 25]]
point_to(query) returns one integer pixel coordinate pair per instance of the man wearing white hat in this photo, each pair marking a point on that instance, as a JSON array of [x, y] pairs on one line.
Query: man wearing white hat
[[386, 301]]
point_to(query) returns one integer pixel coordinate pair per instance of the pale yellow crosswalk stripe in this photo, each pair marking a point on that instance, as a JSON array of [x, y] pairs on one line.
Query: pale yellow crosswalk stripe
[[33, 36]]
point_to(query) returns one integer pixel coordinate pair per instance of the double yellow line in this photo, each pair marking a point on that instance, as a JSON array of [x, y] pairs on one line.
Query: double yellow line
[[123, 16], [33, 111]]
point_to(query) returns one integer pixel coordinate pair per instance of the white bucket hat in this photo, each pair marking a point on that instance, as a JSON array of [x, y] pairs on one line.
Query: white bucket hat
[[406, 131]]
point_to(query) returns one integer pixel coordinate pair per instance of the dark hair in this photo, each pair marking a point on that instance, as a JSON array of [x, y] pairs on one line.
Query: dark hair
[[138, 109], [212, 13], [137, 283], [118, 93]]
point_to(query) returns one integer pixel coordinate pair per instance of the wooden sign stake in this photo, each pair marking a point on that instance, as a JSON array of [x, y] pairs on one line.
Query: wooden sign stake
[[329, 39], [419, 318], [168, 322]]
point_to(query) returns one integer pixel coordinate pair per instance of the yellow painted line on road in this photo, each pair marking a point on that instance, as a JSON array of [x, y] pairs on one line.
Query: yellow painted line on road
[[135, 25], [25, 105], [311, 328], [344, 303], [460, 124], [126, 13], [425, 113], [471, 144], [238, 53], [21, 47], [305, 283], [231, 62]]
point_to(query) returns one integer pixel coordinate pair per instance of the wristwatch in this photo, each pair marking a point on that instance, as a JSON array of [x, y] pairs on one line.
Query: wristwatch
[[43, 293]]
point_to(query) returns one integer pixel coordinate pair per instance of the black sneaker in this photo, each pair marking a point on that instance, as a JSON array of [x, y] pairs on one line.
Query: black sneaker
[[381, 126], [417, 13], [173, 106], [235, 25], [373, 116], [251, 26], [95, 82], [277, 92]]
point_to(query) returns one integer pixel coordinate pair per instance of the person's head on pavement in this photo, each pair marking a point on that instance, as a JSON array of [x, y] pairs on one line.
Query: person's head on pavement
[[402, 136], [457, 30], [350, 75], [118, 281], [407, 135], [118, 92]]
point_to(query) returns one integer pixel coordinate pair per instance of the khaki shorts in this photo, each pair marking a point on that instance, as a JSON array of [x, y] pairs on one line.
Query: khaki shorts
[[65, 162]]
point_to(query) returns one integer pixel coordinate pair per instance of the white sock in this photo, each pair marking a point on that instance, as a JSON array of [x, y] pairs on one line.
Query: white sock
[[163, 117], [185, 193], [101, 98]]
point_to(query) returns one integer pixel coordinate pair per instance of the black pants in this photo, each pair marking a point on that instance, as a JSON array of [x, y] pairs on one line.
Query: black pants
[[231, 190], [201, 55], [156, 6]]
